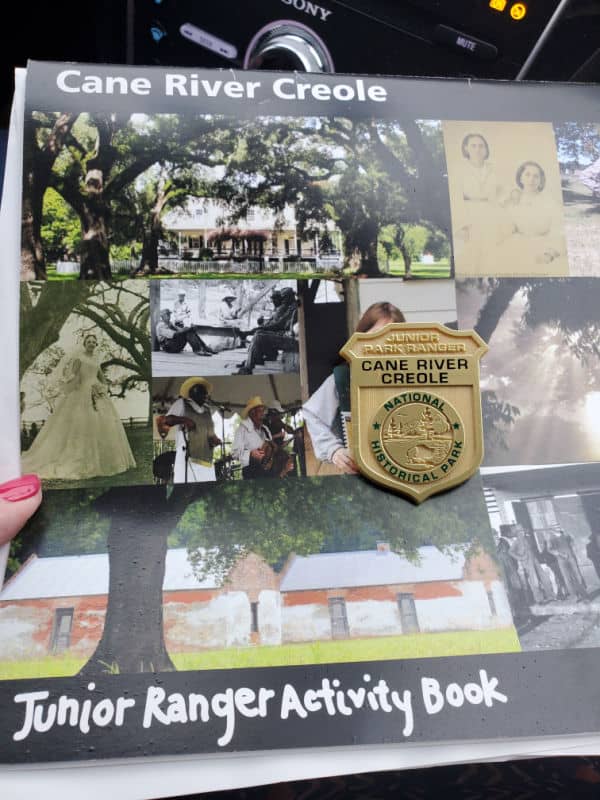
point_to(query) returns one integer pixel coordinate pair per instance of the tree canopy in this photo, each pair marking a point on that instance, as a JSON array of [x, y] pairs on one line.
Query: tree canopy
[[567, 306], [115, 176], [578, 143]]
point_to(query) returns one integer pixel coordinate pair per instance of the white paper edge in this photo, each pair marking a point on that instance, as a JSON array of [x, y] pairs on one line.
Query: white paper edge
[[10, 234], [165, 777]]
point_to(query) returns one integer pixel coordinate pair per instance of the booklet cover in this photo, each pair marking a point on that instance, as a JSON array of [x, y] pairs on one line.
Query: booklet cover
[[207, 571]]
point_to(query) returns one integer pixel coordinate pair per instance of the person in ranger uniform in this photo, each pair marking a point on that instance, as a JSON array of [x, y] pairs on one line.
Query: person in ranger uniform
[[196, 438]]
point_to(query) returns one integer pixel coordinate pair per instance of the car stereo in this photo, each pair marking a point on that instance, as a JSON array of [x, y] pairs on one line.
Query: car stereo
[[479, 38]]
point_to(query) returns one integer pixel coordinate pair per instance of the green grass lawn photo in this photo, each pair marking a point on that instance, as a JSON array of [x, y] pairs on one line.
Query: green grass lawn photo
[[221, 276], [416, 645], [393, 269], [439, 269], [140, 441]]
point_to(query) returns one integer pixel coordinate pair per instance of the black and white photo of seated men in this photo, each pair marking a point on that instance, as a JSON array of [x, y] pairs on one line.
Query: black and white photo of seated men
[[225, 327]]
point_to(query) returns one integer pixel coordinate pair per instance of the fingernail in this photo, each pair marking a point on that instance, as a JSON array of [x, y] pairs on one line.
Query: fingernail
[[20, 488]]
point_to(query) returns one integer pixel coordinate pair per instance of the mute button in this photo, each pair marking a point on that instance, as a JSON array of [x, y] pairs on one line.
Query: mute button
[[464, 42]]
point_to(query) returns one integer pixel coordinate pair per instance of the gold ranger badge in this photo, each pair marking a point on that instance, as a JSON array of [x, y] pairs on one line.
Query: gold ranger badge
[[415, 406]]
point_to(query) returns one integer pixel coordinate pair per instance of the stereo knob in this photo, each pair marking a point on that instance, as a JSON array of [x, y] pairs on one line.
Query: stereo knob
[[285, 45]]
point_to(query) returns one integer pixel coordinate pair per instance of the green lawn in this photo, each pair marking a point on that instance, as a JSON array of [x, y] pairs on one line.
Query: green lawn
[[229, 276], [140, 441], [49, 667], [52, 276], [441, 269], [419, 645]]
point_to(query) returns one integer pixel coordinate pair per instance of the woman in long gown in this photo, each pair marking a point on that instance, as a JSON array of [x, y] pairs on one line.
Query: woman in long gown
[[532, 242], [476, 216], [84, 436]]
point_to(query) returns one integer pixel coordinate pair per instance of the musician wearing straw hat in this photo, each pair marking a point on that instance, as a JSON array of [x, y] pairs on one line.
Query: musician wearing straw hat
[[196, 438], [250, 437]]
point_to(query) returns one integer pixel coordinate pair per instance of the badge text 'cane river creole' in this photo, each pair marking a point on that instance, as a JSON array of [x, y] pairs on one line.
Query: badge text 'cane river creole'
[[427, 437]]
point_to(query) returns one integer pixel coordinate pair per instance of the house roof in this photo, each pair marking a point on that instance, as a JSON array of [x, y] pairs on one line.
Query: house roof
[[372, 568], [86, 575], [198, 213], [75, 576], [544, 480]]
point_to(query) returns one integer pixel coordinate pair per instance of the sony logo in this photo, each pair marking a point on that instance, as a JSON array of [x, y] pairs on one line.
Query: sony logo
[[308, 8]]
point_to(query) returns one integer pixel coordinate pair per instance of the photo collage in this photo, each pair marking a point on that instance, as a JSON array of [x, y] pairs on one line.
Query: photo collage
[[183, 397]]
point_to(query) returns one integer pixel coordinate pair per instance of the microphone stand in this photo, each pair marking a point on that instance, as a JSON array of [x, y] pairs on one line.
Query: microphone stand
[[186, 451], [221, 409]]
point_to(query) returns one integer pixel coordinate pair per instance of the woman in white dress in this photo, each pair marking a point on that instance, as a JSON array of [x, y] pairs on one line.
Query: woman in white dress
[[84, 436], [532, 242], [476, 217]]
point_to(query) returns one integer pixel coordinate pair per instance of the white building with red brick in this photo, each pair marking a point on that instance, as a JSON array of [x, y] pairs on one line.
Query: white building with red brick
[[58, 604]]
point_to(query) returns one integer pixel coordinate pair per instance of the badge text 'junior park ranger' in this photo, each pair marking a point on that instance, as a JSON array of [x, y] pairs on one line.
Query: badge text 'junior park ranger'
[[416, 406]]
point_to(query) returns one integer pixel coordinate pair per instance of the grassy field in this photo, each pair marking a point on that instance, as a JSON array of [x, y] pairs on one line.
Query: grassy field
[[419, 645], [441, 269], [220, 276], [140, 441], [395, 269]]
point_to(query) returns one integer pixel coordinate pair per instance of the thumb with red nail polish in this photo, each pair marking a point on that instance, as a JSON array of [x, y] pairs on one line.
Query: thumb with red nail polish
[[19, 499]]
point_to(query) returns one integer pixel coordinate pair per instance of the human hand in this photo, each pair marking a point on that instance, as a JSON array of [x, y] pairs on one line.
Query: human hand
[[213, 440], [258, 454], [19, 499], [188, 424], [343, 460]]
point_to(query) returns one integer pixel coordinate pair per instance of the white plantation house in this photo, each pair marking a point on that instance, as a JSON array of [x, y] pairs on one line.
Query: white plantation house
[[261, 235], [55, 604]]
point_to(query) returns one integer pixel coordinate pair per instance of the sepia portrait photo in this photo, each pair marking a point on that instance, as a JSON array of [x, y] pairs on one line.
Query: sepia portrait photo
[[85, 372], [505, 198]]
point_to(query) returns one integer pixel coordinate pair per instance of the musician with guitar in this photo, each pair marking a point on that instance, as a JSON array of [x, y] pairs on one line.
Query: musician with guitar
[[254, 448]]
